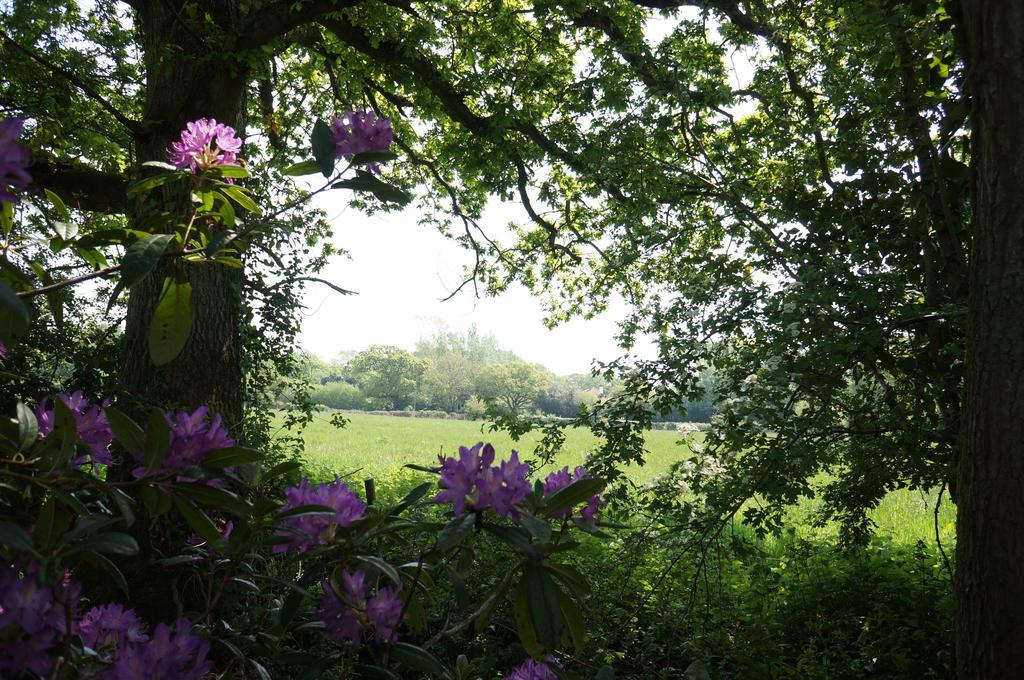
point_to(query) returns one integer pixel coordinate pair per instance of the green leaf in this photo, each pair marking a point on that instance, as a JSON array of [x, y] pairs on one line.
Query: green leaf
[[239, 196], [199, 522], [379, 565], [573, 621], [111, 543], [410, 498], [231, 456], [514, 538], [52, 522], [574, 494], [538, 528], [150, 183], [125, 430], [545, 610], [141, 257], [211, 496], [58, 206], [158, 440], [418, 659], [15, 537], [364, 181], [112, 569], [368, 157], [172, 322], [524, 624], [10, 301], [304, 510], [236, 171], [28, 427], [161, 165], [455, 531], [65, 230], [305, 167], [227, 219], [570, 577], [323, 147]]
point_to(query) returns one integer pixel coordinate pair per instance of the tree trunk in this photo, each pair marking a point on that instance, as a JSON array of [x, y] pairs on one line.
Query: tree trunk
[[187, 79], [990, 511]]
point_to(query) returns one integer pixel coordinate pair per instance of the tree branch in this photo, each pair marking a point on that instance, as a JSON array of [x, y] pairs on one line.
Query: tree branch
[[132, 125], [272, 21], [80, 186]]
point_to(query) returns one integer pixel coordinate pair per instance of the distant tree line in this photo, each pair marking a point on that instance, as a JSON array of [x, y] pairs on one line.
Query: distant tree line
[[461, 373]]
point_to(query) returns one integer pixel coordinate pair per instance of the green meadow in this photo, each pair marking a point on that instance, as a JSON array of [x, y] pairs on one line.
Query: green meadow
[[377, 446]]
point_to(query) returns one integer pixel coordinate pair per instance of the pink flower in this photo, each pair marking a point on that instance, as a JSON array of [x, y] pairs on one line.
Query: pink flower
[[205, 143], [14, 158], [173, 653]]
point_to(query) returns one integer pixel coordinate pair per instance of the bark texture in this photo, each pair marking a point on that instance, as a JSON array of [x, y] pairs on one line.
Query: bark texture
[[990, 511], [188, 78]]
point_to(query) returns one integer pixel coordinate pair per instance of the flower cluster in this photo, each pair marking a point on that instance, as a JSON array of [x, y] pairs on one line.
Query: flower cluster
[[107, 628], [205, 143], [14, 158], [191, 438], [359, 131], [310, 531], [533, 670], [90, 423], [474, 480], [347, 612], [556, 481], [33, 620], [173, 653]]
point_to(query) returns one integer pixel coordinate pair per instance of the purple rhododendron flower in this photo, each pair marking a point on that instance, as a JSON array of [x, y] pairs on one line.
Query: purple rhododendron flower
[[191, 438], [14, 158], [533, 670], [173, 653], [347, 612], [3, 350], [558, 480], [313, 530], [32, 620], [384, 613], [474, 480], [358, 131], [205, 143], [90, 423], [340, 617], [107, 627]]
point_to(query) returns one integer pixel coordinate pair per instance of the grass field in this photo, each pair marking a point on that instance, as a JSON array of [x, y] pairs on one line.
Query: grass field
[[378, 446]]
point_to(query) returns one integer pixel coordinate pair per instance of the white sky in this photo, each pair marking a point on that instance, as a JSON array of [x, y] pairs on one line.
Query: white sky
[[402, 270]]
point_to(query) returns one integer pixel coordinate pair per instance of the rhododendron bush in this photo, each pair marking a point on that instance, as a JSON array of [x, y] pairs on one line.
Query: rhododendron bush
[[156, 546]]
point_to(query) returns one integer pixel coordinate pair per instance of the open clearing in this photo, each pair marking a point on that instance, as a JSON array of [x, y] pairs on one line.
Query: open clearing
[[378, 446]]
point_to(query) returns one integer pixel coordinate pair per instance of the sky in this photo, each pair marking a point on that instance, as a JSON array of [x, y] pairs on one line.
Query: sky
[[402, 270]]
